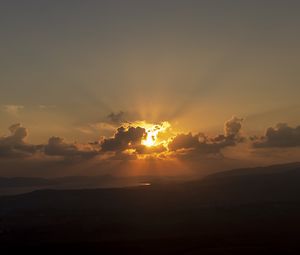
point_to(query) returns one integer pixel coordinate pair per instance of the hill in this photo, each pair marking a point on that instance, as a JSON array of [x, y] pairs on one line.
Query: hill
[[242, 211]]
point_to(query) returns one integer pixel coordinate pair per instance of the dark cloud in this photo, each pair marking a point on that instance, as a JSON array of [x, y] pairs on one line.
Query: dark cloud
[[58, 147], [232, 127], [124, 138], [14, 145], [280, 136], [130, 138], [184, 141], [116, 118], [120, 118], [205, 145]]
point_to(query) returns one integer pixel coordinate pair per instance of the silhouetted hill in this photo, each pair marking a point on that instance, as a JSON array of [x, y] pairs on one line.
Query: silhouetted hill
[[273, 169], [19, 185], [247, 211]]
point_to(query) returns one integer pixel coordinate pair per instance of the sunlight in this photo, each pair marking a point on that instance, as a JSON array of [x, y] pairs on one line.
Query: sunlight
[[150, 138], [153, 131]]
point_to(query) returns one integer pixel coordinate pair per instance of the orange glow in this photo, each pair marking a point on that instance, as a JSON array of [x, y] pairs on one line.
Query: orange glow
[[153, 131], [150, 139]]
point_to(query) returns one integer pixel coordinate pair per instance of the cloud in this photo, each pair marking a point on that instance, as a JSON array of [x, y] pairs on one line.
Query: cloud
[[124, 139], [129, 139], [14, 145], [202, 144], [280, 136], [45, 107], [58, 147], [188, 150], [184, 141], [116, 118], [127, 142], [232, 127], [13, 109], [122, 118], [108, 125]]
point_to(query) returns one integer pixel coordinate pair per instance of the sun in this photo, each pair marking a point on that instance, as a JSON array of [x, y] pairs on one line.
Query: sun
[[155, 134], [151, 138], [152, 132]]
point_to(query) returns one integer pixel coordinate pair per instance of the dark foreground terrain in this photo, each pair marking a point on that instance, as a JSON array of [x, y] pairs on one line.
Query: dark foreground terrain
[[249, 211]]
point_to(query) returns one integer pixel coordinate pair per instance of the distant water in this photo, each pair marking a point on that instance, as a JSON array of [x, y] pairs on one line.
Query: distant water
[[145, 184]]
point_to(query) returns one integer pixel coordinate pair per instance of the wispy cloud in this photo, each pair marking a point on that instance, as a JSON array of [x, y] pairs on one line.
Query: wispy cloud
[[13, 109], [45, 107]]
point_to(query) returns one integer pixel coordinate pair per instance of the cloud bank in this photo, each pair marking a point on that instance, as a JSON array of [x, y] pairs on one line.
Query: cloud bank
[[281, 136], [58, 147], [209, 145], [129, 143], [14, 145]]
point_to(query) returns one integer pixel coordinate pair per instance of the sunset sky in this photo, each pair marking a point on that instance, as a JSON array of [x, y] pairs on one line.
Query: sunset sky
[[147, 87]]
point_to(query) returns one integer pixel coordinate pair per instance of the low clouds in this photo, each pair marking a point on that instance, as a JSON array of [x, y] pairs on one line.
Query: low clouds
[[202, 144], [124, 139], [14, 145], [184, 141], [282, 136], [58, 147], [232, 127], [138, 138], [129, 142]]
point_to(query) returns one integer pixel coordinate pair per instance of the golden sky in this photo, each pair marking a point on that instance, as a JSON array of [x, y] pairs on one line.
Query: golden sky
[[72, 73]]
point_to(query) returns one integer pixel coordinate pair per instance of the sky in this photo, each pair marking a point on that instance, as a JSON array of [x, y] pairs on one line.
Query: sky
[[73, 72]]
